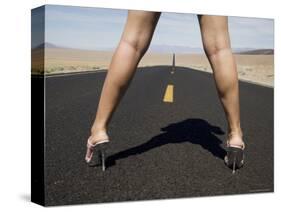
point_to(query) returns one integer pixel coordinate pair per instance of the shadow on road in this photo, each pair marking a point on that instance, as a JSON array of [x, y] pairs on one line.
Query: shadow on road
[[195, 131]]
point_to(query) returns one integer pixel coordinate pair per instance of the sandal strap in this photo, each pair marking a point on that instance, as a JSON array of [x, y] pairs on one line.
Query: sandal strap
[[231, 134], [103, 140], [233, 145]]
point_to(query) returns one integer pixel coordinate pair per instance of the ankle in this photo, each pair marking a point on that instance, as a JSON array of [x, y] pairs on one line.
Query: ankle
[[98, 126], [235, 131], [98, 131]]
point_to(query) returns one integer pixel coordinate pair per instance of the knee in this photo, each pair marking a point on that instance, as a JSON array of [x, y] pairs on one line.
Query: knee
[[214, 48], [138, 44]]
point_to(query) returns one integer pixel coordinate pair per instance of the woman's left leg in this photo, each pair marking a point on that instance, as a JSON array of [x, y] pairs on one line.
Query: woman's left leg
[[134, 42]]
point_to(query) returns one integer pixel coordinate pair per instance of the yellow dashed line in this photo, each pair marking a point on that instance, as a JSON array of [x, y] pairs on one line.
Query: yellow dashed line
[[169, 94]]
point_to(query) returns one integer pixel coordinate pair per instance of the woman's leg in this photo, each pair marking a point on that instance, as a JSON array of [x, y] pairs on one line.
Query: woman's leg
[[216, 42], [134, 42]]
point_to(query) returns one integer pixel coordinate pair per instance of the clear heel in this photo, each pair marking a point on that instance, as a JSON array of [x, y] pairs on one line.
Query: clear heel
[[234, 165], [234, 158], [102, 155]]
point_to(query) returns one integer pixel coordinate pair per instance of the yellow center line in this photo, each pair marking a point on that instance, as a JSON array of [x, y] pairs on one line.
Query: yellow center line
[[169, 94]]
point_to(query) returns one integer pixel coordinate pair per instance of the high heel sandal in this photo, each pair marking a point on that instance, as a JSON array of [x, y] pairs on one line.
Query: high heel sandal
[[96, 153], [235, 157]]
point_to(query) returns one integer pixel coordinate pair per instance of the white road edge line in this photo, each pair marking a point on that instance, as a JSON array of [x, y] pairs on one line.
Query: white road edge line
[[72, 74]]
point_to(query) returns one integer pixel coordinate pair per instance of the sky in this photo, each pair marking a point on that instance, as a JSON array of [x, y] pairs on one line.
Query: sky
[[101, 29]]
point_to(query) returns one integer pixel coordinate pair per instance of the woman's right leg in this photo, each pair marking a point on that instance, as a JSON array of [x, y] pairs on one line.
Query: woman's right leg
[[134, 42], [216, 42]]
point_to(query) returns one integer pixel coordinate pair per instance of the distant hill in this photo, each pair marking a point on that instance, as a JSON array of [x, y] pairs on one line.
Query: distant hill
[[54, 46], [258, 52], [46, 45], [197, 50], [170, 49]]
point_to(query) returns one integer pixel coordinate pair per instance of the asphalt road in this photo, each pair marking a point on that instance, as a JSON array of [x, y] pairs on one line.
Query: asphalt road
[[159, 150]]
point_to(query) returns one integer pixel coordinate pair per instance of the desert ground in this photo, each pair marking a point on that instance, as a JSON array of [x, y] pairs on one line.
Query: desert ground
[[254, 68]]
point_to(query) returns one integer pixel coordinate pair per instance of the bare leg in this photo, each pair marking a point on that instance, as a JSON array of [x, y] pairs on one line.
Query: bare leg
[[216, 42], [134, 42]]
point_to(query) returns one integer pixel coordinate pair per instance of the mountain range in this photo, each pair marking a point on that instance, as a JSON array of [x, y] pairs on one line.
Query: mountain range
[[173, 49]]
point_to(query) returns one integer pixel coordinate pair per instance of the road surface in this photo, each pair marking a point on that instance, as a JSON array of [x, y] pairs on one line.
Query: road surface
[[158, 149]]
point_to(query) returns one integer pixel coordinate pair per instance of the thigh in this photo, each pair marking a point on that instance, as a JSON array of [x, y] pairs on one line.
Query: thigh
[[140, 26], [212, 23], [214, 29]]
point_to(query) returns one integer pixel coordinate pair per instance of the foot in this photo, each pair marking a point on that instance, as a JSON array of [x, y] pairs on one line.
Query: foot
[[97, 136], [93, 140], [234, 157]]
